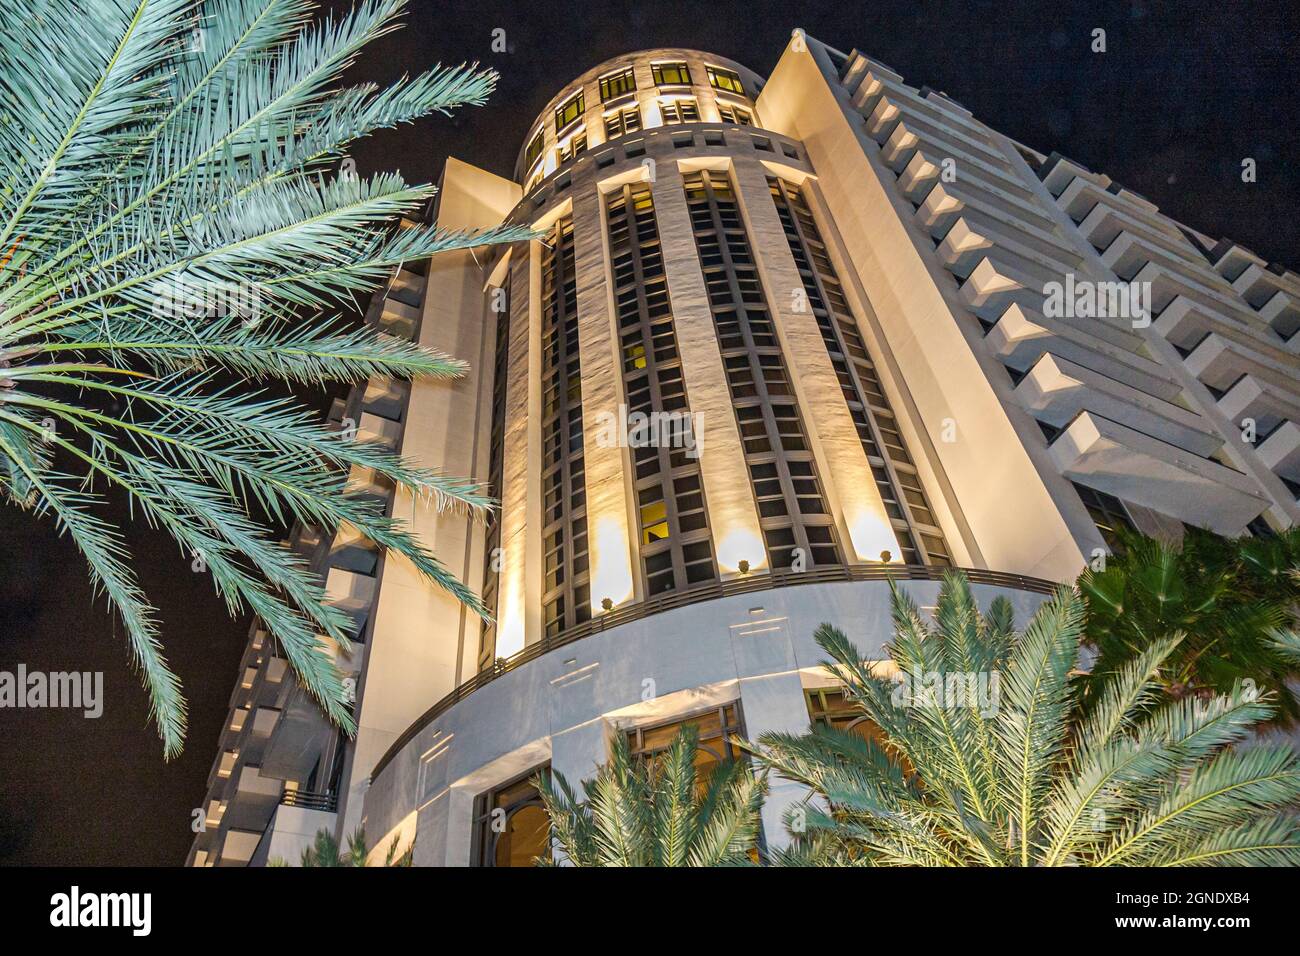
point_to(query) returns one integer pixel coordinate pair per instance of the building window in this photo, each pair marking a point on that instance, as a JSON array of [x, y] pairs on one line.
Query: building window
[[715, 728], [721, 78], [798, 529], [893, 470], [831, 707], [511, 826], [671, 74], [621, 122], [534, 151], [1108, 514], [675, 544], [572, 147], [566, 593], [570, 110], [684, 110], [736, 115], [617, 84]]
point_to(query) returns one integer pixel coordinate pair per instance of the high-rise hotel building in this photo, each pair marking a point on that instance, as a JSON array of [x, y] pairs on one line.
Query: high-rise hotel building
[[775, 341]]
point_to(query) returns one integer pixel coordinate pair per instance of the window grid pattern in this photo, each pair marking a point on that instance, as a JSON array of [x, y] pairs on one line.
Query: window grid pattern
[[675, 544], [496, 467], [679, 111], [566, 593], [716, 728], [795, 521], [892, 466], [621, 122]]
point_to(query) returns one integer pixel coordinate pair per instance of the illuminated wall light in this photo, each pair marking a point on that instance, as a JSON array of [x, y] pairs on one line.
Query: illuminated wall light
[[870, 532], [611, 566], [738, 545]]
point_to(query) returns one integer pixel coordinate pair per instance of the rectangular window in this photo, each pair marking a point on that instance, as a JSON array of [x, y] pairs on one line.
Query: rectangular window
[[671, 74], [570, 110], [721, 78], [736, 115], [715, 728], [572, 147], [534, 150], [621, 122], [617, 84], [511, 826], [683, 110]]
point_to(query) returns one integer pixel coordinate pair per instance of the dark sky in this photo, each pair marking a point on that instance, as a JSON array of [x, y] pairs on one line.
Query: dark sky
[[1183, 93]]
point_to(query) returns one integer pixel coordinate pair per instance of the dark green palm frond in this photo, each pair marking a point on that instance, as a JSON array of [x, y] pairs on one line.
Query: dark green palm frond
[[1138, 779], [152, 152], [657, 812]]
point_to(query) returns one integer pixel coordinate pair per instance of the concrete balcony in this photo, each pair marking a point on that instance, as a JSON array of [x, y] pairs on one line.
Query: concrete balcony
[[1282, 313], [238, 846], [1262, 401], [353, 551], [1219, 361], [1135, 467], [992, 287], [386, 397], [1056, 390], [1021, 336], [382, 430], [1281, 451], [351, 593]]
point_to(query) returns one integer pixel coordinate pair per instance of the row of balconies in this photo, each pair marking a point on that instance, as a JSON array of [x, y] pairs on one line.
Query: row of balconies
[[276, 735], [1117, 417]]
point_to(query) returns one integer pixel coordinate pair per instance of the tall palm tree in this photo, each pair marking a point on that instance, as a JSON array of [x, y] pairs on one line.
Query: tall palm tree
[[171, 202], [1140, 780], [1227, 597], [658, 812]]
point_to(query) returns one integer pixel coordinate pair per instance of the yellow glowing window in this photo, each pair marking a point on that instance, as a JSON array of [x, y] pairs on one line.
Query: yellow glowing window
[[724, 79], [671, 74], [635, 355], [570, 111], [654, 522]]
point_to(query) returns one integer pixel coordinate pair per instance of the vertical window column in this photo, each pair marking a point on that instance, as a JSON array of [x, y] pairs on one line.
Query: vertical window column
[[892, 468], [675, 544], [496, 464], [797, 527], [566, 597]]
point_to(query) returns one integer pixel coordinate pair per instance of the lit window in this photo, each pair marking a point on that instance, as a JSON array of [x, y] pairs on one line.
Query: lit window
[[654, 516], [575, 145], [534, 150], [511, 824], [679, 111], [724, 79], [716, 728], [570, 111], [736, 115], [671, 74], [617, 84], [620, 122]]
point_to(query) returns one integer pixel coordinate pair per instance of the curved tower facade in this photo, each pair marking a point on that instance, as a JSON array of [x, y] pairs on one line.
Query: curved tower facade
[[774, 344]]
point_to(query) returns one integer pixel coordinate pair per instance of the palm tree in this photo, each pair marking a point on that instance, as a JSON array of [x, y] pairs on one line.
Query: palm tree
[[1141, 780], [1227, 597], [658, 812], [325, 851], [168, 208]]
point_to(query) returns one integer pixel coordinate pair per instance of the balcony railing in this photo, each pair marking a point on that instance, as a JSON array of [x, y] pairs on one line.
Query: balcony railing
[[758, 581], [310, 800]]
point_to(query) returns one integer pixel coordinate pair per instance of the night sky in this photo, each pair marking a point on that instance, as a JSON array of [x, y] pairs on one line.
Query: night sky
[[1184, 92]]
